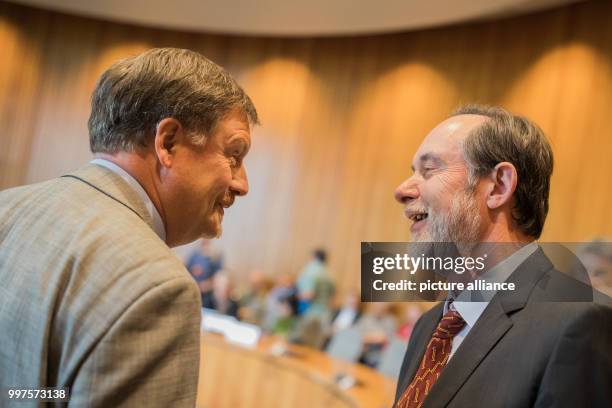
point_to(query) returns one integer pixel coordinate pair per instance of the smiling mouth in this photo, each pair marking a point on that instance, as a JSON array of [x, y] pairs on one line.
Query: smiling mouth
[[223, 205], [418, 217]]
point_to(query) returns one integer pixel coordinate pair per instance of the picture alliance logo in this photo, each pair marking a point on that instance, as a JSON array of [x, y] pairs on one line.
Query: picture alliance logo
[[411, 264]]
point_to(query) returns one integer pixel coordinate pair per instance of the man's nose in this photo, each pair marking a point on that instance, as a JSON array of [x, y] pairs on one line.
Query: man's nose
[[407, 191], [240, 182]]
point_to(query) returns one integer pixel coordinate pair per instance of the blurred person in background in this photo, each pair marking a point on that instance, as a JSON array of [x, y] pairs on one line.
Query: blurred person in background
[[377, 326], [348, 314], [282, 292], [345, 316], [92, 297], [253, 303], [596, 256], [285, 318], [311, 328], [321, 297], [315, 270], [412, 313], [203, 264], [222, 299]]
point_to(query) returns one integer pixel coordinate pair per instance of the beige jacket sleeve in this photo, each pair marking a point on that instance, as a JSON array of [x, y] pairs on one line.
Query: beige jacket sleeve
[[150, 355]]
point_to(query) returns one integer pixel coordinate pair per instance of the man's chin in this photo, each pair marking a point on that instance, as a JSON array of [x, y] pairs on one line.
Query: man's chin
[[421, 237], [216, 227], [213, 231], [211, 235]]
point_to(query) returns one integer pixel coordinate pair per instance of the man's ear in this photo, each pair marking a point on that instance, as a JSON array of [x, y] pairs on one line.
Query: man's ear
[[168, 134], [503, 179]]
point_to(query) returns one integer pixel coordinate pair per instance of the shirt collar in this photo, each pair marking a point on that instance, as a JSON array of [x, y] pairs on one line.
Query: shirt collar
[[158, 224], [471, 311], [502, 271]]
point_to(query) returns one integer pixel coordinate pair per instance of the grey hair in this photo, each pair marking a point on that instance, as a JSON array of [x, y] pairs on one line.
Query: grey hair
[[135, 94], [505, 137]]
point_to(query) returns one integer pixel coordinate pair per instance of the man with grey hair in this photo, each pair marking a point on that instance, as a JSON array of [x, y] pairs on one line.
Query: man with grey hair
[[481, 180], [93, 300]]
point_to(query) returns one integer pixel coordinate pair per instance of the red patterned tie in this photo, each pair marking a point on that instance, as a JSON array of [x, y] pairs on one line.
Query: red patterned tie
[[434, 360]]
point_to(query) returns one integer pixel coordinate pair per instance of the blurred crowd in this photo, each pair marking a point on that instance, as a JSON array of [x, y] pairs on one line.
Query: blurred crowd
[[304, 307]]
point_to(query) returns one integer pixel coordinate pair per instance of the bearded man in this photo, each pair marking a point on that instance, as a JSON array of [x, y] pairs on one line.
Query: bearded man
[[482, 178]]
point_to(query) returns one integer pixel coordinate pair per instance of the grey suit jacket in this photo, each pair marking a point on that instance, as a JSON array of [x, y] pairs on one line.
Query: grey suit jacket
[[545, 345], [92, 299]]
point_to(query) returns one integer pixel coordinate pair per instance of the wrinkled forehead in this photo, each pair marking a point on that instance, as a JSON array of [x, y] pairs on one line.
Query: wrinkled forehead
[[445, 141]]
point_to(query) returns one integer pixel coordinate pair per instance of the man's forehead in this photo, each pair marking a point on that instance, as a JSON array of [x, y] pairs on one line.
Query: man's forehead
[[447, 137], [235, 127]]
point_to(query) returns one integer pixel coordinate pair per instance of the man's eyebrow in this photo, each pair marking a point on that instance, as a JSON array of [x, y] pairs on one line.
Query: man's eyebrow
[[428, 157]]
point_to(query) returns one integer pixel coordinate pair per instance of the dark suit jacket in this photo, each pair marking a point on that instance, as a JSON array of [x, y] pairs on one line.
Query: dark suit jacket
[[542, 345]]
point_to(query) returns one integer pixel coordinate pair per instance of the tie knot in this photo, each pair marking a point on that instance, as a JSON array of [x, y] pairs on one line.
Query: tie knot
[[450, 325]]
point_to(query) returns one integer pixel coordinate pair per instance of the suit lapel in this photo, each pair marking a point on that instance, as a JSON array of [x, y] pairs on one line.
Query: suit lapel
[[490, 328], [113, 186]]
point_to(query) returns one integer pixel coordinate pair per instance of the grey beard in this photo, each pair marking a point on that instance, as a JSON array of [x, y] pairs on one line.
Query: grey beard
[[461, 225]]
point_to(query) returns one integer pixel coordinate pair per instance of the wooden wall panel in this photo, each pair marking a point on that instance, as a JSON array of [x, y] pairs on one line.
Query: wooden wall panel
[[20, 77], [341, 117]]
